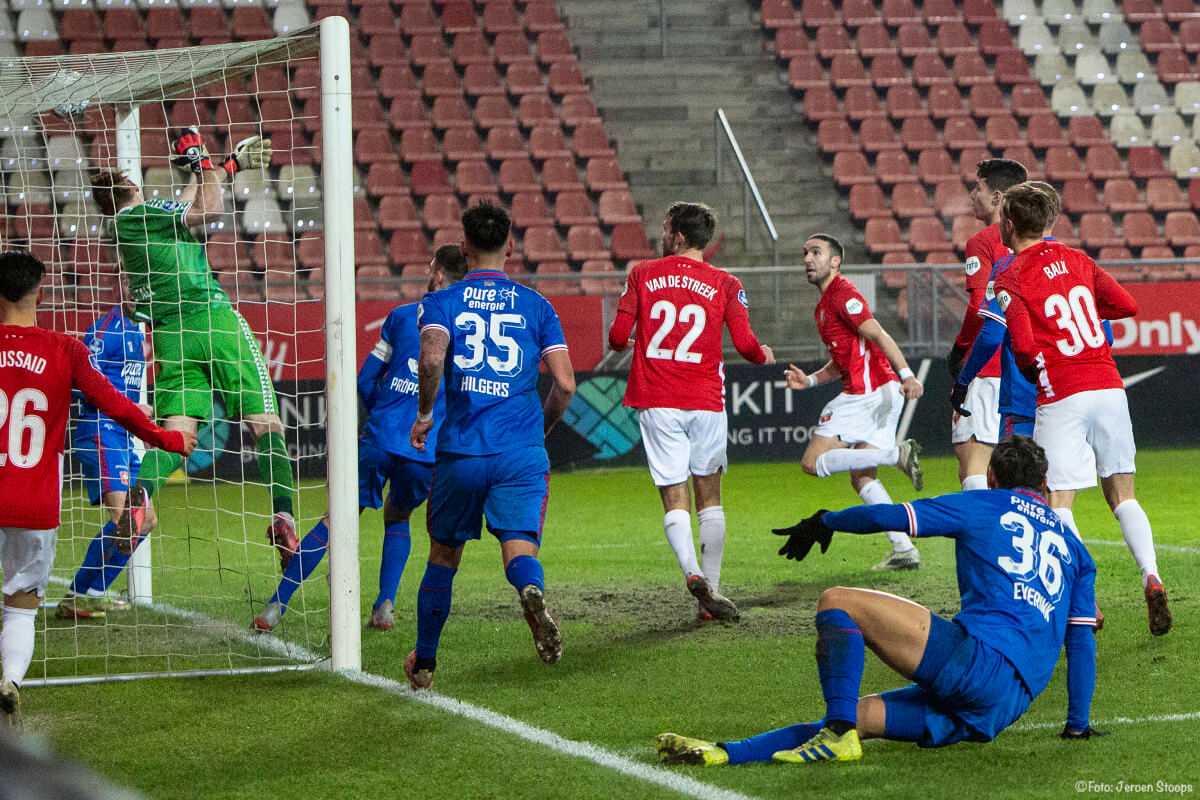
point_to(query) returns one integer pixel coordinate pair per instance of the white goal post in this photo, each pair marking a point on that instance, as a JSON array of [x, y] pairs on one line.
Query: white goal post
[[117, 87]]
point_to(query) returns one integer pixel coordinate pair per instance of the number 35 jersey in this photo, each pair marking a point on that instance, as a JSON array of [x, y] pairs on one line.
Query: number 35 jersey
[[679, 306], [499, 331], [1023, 576]]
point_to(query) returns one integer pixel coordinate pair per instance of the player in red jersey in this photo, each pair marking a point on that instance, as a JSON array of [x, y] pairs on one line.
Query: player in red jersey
[[974, 434], [38, 370], [857, 429], [678, 305], [1054, 299]]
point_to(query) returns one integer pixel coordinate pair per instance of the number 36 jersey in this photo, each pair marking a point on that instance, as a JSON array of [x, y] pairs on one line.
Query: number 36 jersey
[[499, 331], [679, 306]]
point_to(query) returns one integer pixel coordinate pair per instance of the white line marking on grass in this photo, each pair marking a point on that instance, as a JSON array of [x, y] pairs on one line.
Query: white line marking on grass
[[1168, 547], [605, 758], [1045, 726]]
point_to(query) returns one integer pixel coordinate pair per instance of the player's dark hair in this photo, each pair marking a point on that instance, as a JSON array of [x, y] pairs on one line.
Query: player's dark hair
[[1019, 462], [111, 191], [449, 259], [1001, 173], [486, 227], [1031, 209], [20, 274], [835, 247], [696, 221]]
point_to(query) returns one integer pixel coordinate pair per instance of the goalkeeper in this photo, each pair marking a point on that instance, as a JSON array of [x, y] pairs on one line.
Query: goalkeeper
[[1027, 588], [201, 343]]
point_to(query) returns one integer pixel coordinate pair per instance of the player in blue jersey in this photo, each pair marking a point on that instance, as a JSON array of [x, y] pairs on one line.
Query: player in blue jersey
[[109, 461], [488, 335], [387, 386], [1026, 587]]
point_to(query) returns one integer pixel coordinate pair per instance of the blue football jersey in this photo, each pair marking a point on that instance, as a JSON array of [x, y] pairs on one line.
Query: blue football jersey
[[499, 331], [1017, 395], [118, 351], [1022, 574], [395, 405]]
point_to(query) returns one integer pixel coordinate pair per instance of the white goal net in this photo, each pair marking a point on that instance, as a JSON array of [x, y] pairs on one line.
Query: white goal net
[[160, 269]]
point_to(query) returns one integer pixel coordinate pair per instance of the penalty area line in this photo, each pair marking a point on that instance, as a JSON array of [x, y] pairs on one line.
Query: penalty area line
[[1170, 548], [682, 784], [1045, 726]]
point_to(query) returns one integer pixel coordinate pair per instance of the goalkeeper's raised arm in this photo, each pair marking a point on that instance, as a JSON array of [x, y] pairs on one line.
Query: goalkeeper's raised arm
[[189, 152]]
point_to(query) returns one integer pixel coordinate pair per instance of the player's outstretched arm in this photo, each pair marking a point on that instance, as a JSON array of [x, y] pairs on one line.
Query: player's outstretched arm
[[798, 379], [558, 364], [737, 319], [873, 332], [1113, 301], [990, 337], [430, 366], [621, 330], [368, 377], [1020, 331]]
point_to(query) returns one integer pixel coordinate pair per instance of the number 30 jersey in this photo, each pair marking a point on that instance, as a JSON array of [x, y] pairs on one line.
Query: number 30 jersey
[[1054, 300], [679, 307], [499, 331]]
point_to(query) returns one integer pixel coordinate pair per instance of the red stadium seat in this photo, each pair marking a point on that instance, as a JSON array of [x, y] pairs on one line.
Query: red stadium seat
[[590, 141], [555, 287], [1180, 10], [628, 241], [883, 235], [969, 69], [482, 79], [1110, 253], [964, 227], [459, 17], [1164, 194], [523, 78], [442, 211], [1063, 163], [945, 102], [867, 202], [543, 244], [386, 49], [1182, 229], [409, 246], [817, 12], [126, 23], [397, 212], [995, 37], [449, 111], [964, 132], [1146, 162], [927, 234], [899, 12], [891, 166], [910, 200], [861, 102], [616, 206], [368, 249], [871, 40], [542, 15], [832, 40], [500, 16], [397, 80], [1174, 66], [1140, 10], [470, 48], [553, 46], [419, 17], [547, 141], [577, 109], [936, 12], [473, 177], [1012, 69], [602, 173], [1189, 35], [1103, 161], [462, 143], [1098, 231], [372, 20], [858, 12], [565, 77], [205, 22], [902, 101], [505, 142], [1079, 196], [429, 48], [851, 167], [1086, 131], [438, 79], [429, 177], [517, 175], [888, 69], [918, 133], [1156, 36], [913, 40], [821, 103], [1043, 131], [847, 70], [834, 135], [779, 14], [954, 39], [561, 175], [791, 42], [164, 23], [986, 100], [951, 199], [1141, 230], [935, 165], [611, 285], [805, 72], [585, 242], [416, 144], [875, 134], [1003, 130], [491, 110], [574, 208]]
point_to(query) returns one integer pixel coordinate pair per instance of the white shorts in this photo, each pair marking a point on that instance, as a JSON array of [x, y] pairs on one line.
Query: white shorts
[[1085, 435], [680, 443], [983, 401], [870, 418], [26, 557]]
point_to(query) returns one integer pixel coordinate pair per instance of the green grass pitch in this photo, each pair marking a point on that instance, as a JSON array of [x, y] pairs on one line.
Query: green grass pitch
[[635, 662]]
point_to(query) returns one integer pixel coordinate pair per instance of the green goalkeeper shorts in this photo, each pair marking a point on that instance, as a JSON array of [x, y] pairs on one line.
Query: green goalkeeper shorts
[[207, 352]]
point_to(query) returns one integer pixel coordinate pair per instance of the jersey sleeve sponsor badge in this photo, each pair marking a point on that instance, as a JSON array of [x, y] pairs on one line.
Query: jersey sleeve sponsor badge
[[1003, 298], [96, 346], [972, 265], [990, 292], [742, 298], [854, 305]]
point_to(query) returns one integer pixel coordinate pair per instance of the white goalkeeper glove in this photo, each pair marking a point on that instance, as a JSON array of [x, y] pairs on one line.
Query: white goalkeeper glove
[[253, 152]]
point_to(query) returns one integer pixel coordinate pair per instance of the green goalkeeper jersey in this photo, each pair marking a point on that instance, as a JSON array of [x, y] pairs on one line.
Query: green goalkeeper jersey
[[168, 270]]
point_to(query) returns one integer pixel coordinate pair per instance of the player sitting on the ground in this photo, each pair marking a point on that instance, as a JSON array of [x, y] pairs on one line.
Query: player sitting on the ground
[[679, 305], [976, 432], [387, 385], [109, 461], [201, 343], [1026, 586], [38, 370], [856, 432], [1055, 299], [488, 336]]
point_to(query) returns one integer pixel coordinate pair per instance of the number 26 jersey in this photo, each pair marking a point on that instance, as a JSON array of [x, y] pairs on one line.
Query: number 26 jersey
[[499, 331], [679, 307]]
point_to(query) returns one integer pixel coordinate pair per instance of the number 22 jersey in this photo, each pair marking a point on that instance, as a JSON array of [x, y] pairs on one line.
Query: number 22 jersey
[[499, 331], [679, 306]]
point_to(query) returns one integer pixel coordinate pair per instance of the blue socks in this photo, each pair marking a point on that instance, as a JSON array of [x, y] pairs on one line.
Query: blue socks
[[433, 607], [524, 570], [840, 655], [396, 544], [89, 573], [763, 746], [312, 550]]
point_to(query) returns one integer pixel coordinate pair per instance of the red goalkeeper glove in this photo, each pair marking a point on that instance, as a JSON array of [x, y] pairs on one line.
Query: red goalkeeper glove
[[190, 152]]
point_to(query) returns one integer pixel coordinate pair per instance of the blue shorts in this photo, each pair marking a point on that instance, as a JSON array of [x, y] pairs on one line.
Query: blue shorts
[[510, 489], [107, 457], [408, 481], [1015, 425], [964, 690]]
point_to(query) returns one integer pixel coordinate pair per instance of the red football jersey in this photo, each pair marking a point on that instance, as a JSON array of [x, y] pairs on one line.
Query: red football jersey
[[983, 250], [839, 312], [38, 369], [1054, 299], [678, 307]]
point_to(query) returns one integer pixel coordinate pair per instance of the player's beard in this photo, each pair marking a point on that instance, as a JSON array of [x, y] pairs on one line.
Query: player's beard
[[817, 275]]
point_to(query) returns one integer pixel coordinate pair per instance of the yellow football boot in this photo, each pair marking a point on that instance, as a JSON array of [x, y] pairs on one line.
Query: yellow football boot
[[676, 749], [825, 746]]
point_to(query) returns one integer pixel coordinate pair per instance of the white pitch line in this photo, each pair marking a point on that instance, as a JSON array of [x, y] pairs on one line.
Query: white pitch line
[[1171, 548], [1045, 726], [605, 758]]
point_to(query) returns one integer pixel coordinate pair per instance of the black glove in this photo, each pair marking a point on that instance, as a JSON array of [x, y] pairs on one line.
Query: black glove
[[803, 535], [954, 361], [958, 396], [1086, 733], [189, 151]]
